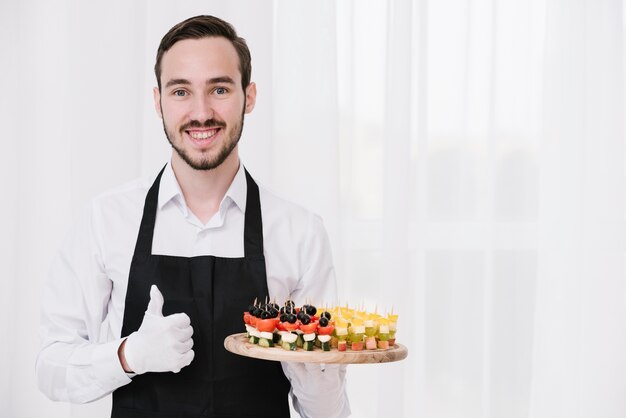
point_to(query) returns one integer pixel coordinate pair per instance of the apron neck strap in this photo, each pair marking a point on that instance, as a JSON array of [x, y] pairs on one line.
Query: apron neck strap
[[253, 227], [253, 230]]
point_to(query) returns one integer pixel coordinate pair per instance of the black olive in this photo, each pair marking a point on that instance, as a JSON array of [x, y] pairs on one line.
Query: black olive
[[251, 308], [301, 313], [275, 306], [306, 319], [257, 312], [282, 310], [326, 315], [283, 317], [323, 321], [291, 318], [311, 310], [265, 315], [289, 302], [274, 313]]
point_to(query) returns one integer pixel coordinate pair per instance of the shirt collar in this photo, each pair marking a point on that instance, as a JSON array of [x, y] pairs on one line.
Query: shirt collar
[[238, 189], [169, 191]]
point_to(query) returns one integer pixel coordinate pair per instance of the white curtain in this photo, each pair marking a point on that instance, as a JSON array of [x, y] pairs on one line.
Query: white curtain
[[467, 157]]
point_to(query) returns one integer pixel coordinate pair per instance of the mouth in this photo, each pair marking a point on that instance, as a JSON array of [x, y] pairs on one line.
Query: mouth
[[203, 136]]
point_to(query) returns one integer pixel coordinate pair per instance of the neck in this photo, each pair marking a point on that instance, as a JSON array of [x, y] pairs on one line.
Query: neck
[[204, 189]]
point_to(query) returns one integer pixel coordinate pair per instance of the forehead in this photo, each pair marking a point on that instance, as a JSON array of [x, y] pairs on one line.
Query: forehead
[[200, 59]]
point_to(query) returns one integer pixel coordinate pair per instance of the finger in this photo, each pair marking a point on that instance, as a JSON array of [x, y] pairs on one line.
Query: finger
[[188, 358], [182, 347], [155, 306], [179, 320], [183, 334]]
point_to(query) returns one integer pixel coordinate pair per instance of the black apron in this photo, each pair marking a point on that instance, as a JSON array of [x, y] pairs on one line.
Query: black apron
[[214, 292]]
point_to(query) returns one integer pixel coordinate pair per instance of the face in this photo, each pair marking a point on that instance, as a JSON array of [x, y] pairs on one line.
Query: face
[[201, 101]]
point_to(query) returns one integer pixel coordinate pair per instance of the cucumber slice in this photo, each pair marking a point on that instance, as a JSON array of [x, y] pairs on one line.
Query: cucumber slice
[[308, 345], [264, 342], [254, 340], [289, 346]]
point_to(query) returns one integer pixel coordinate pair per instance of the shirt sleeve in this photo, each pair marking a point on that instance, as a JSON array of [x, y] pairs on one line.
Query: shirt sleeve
[[77, 362], [317, 390]]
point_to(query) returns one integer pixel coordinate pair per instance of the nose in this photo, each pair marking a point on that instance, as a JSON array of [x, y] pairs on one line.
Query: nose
[[202, 110]]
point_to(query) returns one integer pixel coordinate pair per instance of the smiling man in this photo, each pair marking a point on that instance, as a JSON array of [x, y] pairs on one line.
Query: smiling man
[[202, 105], [145, 290]]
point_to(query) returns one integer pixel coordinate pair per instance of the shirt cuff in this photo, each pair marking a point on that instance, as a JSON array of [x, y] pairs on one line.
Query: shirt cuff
[[318, 391], [107, 366]]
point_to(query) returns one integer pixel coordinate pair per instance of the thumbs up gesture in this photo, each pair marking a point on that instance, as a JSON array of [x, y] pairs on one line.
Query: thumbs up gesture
[[162, 343]]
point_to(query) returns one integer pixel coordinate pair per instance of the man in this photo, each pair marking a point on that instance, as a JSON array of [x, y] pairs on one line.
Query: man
[[144, 292]]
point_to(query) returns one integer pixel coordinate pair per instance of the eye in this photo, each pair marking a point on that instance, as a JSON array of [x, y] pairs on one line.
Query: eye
[[220, 91], [180, 93]]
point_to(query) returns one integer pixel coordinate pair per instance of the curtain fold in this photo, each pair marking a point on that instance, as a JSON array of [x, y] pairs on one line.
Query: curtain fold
[[578, 361]]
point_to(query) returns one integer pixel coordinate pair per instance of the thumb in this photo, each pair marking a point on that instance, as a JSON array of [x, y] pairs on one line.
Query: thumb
[[155, 306]]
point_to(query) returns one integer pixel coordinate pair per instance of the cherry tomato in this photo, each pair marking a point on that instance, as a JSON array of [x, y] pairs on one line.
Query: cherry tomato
[[265, 325], [308, 328], [291, 327], [327, 330]]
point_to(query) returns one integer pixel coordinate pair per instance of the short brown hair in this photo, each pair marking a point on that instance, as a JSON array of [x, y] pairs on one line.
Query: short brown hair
[[204, 26]]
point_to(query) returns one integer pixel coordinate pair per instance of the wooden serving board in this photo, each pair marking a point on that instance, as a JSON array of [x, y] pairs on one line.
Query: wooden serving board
[[239, 344]]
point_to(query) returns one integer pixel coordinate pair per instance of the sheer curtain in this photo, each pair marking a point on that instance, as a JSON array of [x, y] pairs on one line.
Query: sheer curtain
[[467, 158]]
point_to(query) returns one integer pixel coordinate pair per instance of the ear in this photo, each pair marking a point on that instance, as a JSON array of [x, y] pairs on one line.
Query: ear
[[157, 101], [250, 97]]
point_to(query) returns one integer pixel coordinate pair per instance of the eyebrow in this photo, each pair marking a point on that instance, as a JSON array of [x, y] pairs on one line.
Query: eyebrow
[[185, 82], [224, 79], [177, 81]]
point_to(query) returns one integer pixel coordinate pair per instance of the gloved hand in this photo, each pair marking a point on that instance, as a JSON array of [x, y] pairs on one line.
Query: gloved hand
[[162, 343], [318, 390]]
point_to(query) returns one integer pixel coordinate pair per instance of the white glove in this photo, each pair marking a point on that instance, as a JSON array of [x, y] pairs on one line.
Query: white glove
[[318, 390], [162, 343]]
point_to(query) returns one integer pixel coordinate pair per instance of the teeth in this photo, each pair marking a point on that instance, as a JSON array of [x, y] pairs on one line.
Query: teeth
[[203, 135]]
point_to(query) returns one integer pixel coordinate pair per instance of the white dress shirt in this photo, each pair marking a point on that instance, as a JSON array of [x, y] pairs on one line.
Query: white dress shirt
[[84, 296]]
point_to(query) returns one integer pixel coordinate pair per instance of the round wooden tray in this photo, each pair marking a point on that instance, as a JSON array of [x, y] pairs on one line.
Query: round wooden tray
[[238, 344]]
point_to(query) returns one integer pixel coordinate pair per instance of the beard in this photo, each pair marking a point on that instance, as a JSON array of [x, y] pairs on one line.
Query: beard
[[207, 162]]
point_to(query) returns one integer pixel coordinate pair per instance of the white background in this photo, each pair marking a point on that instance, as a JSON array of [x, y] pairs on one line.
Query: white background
[[467, 158]]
